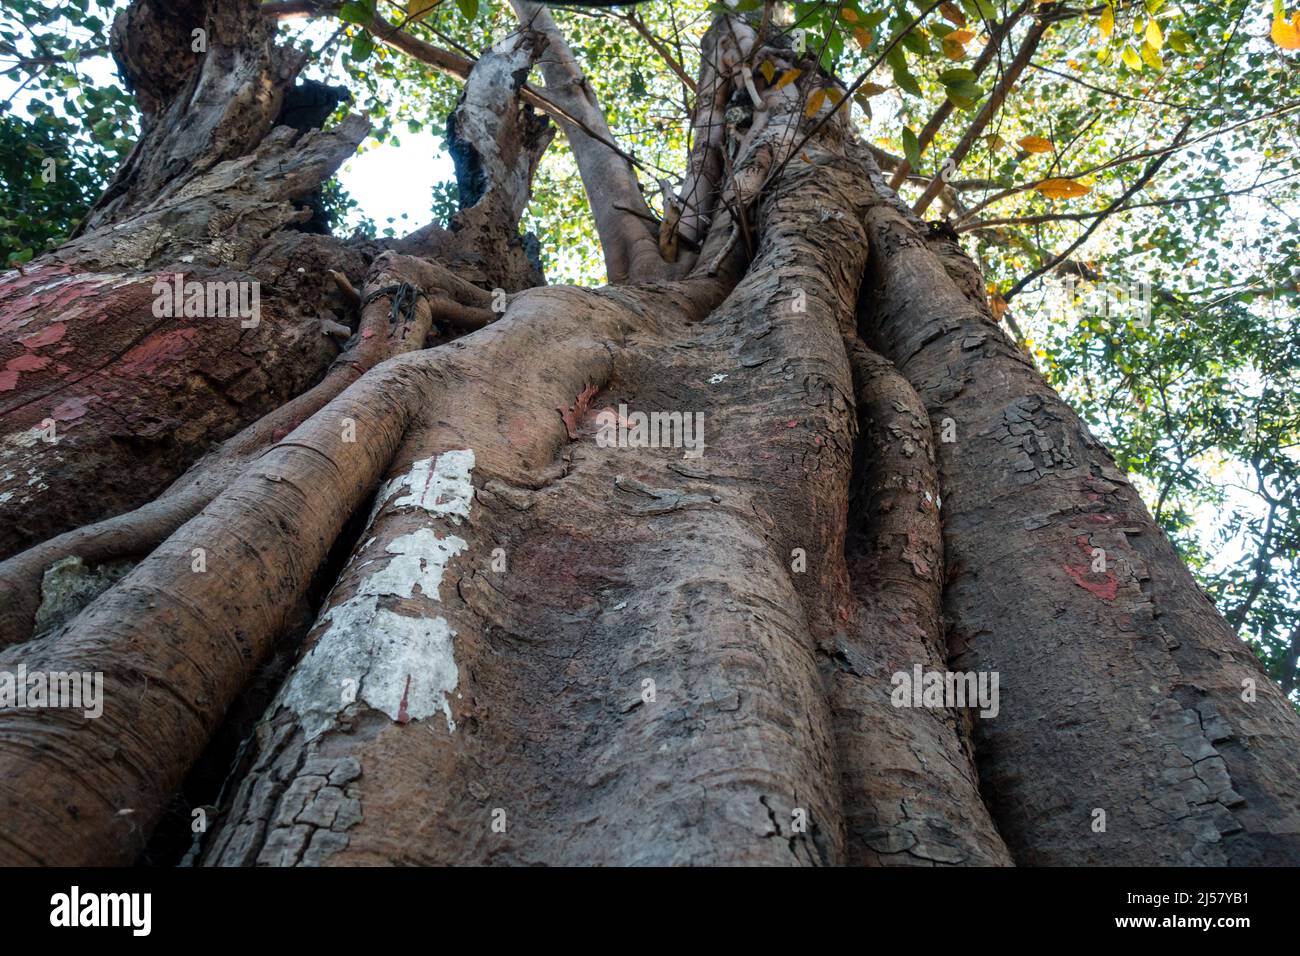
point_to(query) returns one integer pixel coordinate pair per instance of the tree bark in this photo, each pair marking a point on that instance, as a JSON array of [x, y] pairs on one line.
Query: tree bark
[[510, 640], [1125, 687]]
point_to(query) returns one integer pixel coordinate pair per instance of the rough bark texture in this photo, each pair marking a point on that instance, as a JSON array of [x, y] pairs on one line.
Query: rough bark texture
[[449, 623], [207, 194], [1123, 687]]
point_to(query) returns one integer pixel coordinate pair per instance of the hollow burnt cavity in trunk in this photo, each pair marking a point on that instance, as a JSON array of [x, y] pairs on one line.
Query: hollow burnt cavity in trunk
[[436, 593]]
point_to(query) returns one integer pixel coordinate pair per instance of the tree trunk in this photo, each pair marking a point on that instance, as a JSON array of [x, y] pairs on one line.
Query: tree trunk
[[437, 616]]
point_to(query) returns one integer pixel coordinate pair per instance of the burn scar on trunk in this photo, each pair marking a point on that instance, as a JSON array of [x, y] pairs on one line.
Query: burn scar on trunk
[[399, 665]]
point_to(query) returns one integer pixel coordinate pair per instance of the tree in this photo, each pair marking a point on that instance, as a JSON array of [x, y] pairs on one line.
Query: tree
[[686, 568]]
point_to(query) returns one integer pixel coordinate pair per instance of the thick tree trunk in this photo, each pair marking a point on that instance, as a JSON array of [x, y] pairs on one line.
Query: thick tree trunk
[[467, 628], [1126, 691]]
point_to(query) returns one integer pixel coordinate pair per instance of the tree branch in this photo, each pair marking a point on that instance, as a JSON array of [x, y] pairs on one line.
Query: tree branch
[[613, 192], [1152, 168], [658, 46], [927, 134], [996, 98]]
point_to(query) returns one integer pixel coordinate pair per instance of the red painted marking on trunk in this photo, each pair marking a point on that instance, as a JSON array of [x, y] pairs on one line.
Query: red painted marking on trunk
[[16, 366], [38, 275], [163, 348], [791, 424], [428, 480], [572, 415], [402, 716], [367, 333], [31, 299], [27, 363], [69, 410], [46, 336], [1086, 578]]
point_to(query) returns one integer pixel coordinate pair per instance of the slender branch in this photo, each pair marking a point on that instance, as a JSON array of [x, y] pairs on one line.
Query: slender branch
[[931, 128], [1132, 157], [1145, 101], [996, 98], [658, 46], [1152, 168], [1080, 216], [854, 86]]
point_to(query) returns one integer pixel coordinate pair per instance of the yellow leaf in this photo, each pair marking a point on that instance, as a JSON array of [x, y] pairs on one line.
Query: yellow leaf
[[834, 95], [1035, 144], [418, 8], [1154, 36], [1107, 20], [953, 48], [962, 36], [997, 305], [1286, 35], [1151, 57], [849, 14], [1062, 188], [788, 77], [872, 89], [952, 13], [768, 69], [863, 36], [995, 142], [814, 103], [1131, 59]]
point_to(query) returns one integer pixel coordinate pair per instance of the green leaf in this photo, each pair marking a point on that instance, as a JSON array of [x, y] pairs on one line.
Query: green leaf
[[911, 148], [1154, 36], [1151, 57], [363, 44], [964, 95], [898, 66], [468, 7], [957, 75], [352, 12]]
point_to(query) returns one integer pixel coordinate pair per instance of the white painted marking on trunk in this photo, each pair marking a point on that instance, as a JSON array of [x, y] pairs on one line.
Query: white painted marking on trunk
[[381, 652], [418, 561], [439, 485], [402, 666]]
